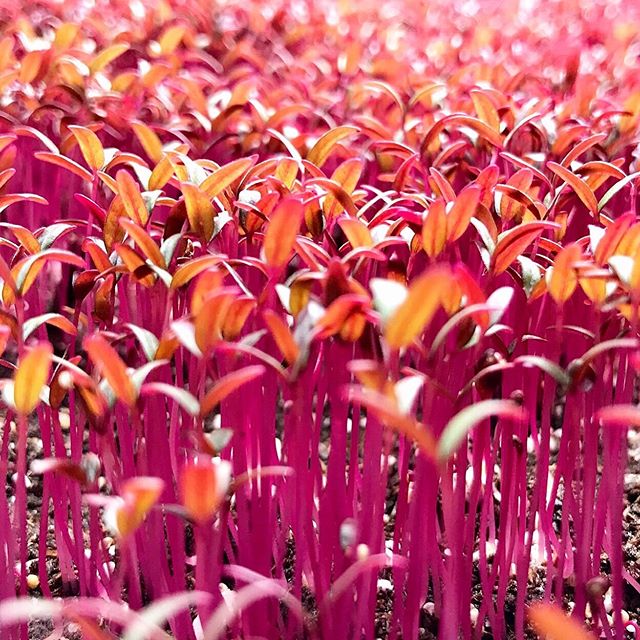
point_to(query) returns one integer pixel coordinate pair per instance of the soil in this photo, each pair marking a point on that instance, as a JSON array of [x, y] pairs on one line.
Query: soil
[[40, 630]]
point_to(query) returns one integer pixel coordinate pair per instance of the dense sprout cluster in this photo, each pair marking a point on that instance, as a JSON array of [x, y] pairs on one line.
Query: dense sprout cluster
[[301, 303]]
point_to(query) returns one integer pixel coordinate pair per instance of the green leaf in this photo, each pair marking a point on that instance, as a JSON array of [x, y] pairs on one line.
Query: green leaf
[[147, 340], [181, 396], [459, 426], [168, 247], [554, 370], [621, 184]]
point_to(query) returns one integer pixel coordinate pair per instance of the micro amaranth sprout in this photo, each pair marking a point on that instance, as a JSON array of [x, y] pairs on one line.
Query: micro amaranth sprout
[[318, 320]]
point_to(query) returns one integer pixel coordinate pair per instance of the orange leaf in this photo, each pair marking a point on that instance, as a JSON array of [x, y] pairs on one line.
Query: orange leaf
[[112, 230], [226, 385], [434, 229], [388, 413], [282, 336], [237, 315], [129, 191], [66, 34], [70, 73], [27, 270], [461, 120], [105, 357], [347, 176], [139, 495], [167, 346], [463, 210], [334, 189], [186, 272], [107, 56], [300, 294], [281, 232], [99, 258], [5, 140], [52, 319], [161, 173], [226, 175], [629, 245], [203, 485], [626, 415], [104, 299], [487, 179], [441, 186], [337, 313], [562, 278], [64, 163], [485, 109], [136, 265], [31, 375], [357, 232], [6, 51], [423, 300], [286, 171], [90, 146], [597, 172], [581, 188], [581, 147], [510, 212], [30, 66], [594, 288], [13, 198], [24, 237], [512, 243], [200, 211], [353, 327], [171, 38], [612, 237], [149, 140], [521, 182], [322, 148], [208, 283], [110, 182], [551, 623], [144, 241], [211, 317]]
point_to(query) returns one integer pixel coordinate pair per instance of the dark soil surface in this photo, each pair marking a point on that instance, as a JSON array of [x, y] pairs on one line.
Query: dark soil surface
[[39, 630]]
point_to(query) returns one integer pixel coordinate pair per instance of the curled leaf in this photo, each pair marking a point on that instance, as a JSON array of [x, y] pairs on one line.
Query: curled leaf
[[322, 148]]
